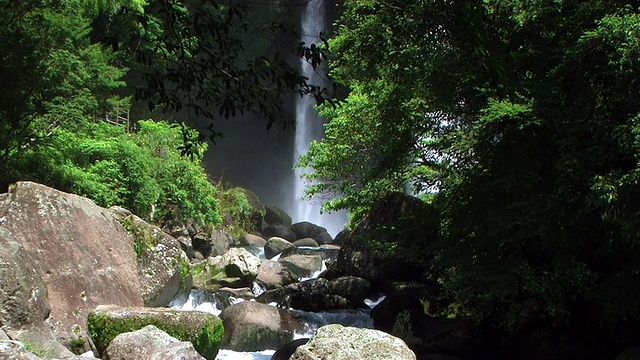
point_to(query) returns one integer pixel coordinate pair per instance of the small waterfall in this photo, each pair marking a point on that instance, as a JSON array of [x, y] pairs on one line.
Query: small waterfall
[[309, 124]]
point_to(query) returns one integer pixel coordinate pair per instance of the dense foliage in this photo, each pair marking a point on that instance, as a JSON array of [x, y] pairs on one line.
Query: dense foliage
[[519, 120]]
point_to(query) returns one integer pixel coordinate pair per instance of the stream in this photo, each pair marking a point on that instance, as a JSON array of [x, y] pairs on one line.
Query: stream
[[214, 303]]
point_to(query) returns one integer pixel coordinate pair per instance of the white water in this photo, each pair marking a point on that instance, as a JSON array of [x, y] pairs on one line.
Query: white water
[[309, 126]]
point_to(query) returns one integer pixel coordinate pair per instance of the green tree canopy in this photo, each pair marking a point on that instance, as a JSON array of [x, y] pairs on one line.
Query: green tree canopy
[[520, 120]]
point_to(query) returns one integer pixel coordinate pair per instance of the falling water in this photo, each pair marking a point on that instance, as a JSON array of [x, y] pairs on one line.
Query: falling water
[[310, 125]]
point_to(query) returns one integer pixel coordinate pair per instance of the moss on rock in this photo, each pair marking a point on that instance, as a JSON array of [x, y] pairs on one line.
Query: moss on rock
[[205, 331]]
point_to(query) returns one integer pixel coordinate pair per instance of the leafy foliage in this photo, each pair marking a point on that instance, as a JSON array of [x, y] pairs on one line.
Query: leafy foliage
[[52, 76], [520, 121], [143, 172]]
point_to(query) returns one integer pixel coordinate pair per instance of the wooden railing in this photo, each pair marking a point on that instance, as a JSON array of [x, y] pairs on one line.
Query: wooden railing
[[121, 119]]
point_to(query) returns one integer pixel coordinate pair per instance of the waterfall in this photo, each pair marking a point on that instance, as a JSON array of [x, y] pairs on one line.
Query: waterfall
[[309, 125]]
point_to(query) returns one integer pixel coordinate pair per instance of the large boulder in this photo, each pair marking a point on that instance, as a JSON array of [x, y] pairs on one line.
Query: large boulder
[[303, 266], [410, 318], [276, 245], [202, 329], [400, 222], [351, 287], [305, 229], [251, 240], [163, 268], [149, 343], [334, 342], [80, 250], [212, 243], [236, 268], [275, 215], [273, 274], [252, 326], [281, 231], [240, 263]]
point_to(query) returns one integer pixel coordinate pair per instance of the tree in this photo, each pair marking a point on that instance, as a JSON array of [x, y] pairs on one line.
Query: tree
[[52, 76], [214, 59], [521, 119]]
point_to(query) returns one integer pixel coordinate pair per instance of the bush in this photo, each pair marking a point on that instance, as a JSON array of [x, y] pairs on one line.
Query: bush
[[142, 171]]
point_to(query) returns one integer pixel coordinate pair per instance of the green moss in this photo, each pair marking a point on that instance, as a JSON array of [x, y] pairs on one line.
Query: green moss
[[206, 339], [144, 236], [186, 278]]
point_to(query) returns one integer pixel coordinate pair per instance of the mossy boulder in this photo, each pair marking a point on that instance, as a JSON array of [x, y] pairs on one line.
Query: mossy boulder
[[205, 331]]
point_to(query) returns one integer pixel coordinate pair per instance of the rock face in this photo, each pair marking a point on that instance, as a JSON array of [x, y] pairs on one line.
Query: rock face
[[335, 342], [162, 265], [203, 330], [252, 240], [252, 326], [23, 294], [82, 253], [149, 343]]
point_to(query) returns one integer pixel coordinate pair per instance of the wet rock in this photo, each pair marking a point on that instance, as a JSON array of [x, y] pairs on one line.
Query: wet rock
[[285, 352], [149, 343], [339, 342], [305, 229], [252, 326], [303, 266], [275, 246], [317, 302], [203, 330]]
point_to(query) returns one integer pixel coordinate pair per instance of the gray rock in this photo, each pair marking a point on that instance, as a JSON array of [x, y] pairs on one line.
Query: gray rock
[[15, 350], [305, 242], [240, 263], [82, 253], [252, 240], [303, 266], [273, 274], [276, 245], [252, 326], [160, 260], [149, 343], [23, 294], [336, 342]]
